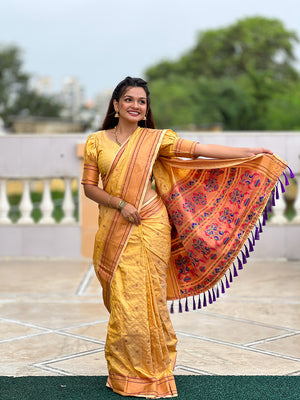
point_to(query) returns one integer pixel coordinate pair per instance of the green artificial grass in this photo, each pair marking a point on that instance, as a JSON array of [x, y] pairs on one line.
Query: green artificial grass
[[190, 387]]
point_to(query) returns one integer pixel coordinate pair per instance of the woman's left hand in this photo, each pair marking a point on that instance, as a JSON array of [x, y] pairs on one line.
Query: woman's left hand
[[256, 150], [131, 214]]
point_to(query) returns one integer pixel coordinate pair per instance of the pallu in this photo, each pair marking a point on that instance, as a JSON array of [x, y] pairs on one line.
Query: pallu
[[190, 236], [214, 208]]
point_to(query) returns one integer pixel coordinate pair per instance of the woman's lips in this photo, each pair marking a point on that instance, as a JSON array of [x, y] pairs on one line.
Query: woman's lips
[[134, 113]]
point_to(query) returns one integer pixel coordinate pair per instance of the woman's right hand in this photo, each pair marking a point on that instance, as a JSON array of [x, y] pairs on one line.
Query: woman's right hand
[[130, 213]]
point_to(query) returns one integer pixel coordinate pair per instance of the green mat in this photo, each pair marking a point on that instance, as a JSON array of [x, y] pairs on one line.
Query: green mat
[[189, 387]]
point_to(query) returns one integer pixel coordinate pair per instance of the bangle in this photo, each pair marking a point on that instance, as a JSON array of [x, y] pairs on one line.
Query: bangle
[[121, 205], [108, 200]]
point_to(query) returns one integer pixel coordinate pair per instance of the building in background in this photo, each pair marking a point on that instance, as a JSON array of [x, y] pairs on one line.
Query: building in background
[[72, 97]]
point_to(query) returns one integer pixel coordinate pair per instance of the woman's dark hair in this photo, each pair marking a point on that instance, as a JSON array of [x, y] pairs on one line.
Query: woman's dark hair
[[110, 121]]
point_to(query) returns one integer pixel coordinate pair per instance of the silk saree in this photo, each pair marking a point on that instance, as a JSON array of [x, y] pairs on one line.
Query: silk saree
[[189, 237]]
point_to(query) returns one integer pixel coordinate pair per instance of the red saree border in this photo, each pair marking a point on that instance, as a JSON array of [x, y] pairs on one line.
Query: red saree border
[[137, 386]]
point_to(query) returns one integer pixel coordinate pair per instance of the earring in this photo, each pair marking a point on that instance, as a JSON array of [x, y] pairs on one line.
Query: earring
[[145, 118], [117, 114]]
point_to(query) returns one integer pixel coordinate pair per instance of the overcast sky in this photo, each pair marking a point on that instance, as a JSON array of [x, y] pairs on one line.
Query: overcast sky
[[102, 41]]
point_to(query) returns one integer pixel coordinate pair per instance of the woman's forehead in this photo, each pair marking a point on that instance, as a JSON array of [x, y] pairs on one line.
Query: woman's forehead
[[135, 92]]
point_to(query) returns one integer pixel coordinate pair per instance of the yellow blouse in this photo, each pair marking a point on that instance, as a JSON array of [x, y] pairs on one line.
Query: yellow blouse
[[100, 152]]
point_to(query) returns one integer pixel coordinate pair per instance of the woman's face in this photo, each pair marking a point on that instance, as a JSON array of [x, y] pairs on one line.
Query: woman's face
[[132, 105]]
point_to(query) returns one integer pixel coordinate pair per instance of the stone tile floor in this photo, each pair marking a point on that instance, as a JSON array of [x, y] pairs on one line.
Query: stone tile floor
[[53, 322]]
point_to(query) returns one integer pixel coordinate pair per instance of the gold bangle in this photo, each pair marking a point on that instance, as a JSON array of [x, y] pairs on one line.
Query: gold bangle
[[108, 200], [121, 205]]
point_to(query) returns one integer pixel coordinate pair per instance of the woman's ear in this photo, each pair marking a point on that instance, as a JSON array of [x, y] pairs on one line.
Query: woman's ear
[[116, 105]]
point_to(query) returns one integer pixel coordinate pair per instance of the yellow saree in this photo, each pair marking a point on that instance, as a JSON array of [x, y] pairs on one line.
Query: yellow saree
[[211, 207]]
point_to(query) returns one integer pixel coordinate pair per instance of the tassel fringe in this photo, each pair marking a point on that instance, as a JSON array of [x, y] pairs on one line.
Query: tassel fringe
[[213, 294]]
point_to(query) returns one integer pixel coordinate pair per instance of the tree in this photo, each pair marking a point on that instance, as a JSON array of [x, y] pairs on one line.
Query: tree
[[251, 60], [283, 110], [16, 97]]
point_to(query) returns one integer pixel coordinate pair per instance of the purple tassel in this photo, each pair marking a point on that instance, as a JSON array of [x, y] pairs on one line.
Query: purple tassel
[[265, 216], [218, 293], [277, 192], [222, 287], [204, 300], [194, 303], [269, 206], [244, 257], [172, 307], [256, 233], [234, 271], [282, 186], [253, 238], [260, 227], [230, 276], [240, 263], [227, 283], [186, 305], [209, 298], [286, 180], [214, 294], [180, 306], [250, 245], [199, 302], [291, 173], [247, 252], [273, 199]]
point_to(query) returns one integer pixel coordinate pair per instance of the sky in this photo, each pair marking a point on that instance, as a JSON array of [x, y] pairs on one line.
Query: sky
[[102, 41]]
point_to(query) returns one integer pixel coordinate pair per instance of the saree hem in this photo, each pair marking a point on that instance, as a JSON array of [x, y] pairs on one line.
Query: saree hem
[[164, 387]]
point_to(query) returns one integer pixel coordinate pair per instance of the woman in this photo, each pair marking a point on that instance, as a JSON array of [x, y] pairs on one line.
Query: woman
[[211, 206]]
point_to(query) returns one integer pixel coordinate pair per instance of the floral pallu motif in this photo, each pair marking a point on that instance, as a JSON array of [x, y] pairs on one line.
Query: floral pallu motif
[[213, 206]]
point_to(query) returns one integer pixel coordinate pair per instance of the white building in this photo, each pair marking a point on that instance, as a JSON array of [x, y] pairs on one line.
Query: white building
[[72, 97]]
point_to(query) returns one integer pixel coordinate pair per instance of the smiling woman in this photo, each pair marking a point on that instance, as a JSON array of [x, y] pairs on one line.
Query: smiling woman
[[137, 261]]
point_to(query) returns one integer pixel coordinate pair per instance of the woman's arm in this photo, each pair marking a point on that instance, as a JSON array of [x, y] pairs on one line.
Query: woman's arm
[[219, 151], [100, 196]]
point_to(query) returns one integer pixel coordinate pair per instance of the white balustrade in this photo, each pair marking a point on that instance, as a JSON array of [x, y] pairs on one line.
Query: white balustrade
[[47, 205], [26, 205], [296, 220], [68, 205], [278, 210], [4, 204]]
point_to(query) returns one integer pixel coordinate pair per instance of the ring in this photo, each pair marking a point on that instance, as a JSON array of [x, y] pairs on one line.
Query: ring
[[131, 219]]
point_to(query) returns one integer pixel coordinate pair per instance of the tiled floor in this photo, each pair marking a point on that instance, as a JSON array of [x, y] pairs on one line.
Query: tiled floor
[[53, 322]]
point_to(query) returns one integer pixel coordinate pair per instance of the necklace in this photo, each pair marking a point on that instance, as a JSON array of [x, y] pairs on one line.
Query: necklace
[[116, 136]]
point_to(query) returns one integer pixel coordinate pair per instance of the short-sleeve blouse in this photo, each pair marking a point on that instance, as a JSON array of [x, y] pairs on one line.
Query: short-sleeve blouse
[[100, 151]]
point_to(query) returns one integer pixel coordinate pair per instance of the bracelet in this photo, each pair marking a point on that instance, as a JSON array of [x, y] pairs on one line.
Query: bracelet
[[108, 200], [121, 205]]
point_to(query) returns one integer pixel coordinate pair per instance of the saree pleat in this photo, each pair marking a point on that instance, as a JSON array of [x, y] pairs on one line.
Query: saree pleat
[[141, 342]]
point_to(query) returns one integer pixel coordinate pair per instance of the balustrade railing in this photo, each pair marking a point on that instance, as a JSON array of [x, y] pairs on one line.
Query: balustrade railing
[[67, 203]]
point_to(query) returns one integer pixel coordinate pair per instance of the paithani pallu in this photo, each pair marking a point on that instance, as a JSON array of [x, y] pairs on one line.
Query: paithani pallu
[[214, 208]]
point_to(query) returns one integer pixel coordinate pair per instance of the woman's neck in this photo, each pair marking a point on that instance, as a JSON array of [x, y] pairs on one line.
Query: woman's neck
[[126, 129]]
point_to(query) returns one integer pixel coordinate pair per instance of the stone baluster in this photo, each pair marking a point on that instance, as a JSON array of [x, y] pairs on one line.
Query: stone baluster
[[296, 220], [4, 204], [46, 206], [68, 205], [26, 205], [278, 210]]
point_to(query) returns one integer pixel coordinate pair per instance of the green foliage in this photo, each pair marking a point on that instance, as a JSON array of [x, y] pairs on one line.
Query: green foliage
[[283, 110], [36, 198], [230, 77], [16, 98]]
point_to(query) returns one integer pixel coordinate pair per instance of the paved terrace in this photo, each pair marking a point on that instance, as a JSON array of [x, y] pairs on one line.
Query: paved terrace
[[53, 322]]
